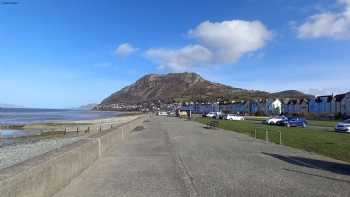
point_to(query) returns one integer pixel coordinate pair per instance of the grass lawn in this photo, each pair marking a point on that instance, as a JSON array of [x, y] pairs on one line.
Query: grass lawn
[[331, 144], [323, 123]]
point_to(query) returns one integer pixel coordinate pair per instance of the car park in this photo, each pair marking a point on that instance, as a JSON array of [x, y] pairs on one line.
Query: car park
[[293, 122], [343, 126], [234, 117]]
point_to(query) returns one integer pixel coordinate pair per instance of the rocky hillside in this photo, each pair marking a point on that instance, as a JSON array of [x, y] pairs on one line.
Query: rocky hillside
[[290, 94], [181, 87]]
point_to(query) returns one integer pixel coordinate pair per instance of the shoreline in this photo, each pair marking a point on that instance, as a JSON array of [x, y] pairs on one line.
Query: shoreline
[[59, 124], [28, 147]]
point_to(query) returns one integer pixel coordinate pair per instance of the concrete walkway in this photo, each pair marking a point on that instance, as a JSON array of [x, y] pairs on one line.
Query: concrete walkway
[[142, 165], [172, 157]]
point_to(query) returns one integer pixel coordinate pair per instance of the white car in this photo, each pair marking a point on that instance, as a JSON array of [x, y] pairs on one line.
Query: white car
[[275, 119], [343, 126], [212, 115], [162, 113], [234, 117]]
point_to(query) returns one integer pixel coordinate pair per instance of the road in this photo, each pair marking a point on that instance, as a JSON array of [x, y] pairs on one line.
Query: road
[[172, 157]]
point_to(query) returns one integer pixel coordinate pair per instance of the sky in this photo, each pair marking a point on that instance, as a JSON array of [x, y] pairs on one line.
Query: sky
[[62, 54]]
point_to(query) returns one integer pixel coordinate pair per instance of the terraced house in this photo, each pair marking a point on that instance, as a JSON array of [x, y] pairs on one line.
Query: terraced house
[[321, 105], [295, 106]]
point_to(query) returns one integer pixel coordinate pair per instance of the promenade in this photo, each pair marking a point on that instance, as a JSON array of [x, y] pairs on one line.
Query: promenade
[[172, 157]]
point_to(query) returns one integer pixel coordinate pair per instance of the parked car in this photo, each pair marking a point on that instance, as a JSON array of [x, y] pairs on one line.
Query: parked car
[[293, 122], [275, 119], [211, 115], [343, 126], [234, 117], [172, 114], [162, 113], [216, 115]]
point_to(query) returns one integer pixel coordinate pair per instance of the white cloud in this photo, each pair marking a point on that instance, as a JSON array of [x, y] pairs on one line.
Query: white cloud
[[229, 40], [219, 43], [328, 24], [125, 49], [180, 59]]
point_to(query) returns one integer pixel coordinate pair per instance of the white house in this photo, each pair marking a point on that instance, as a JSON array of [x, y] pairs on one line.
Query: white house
[[274, 106]]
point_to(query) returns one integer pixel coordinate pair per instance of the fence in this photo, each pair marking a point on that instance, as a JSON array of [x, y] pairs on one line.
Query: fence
[[268, 135], [82, 130], [44, 175]]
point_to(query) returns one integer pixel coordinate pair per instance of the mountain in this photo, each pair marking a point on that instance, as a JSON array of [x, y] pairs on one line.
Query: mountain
[[88, 106], [181, 87], [290, 94], [178, 87]]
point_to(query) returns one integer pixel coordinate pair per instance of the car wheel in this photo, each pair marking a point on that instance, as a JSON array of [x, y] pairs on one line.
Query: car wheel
[[304, 125], [288, 125]]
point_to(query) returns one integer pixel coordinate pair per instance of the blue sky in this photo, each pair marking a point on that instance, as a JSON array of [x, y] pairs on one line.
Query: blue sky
[[66, 53]]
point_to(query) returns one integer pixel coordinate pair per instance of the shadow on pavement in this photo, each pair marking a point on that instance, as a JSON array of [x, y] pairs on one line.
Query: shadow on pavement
[[317, 175], [207, 127], [339, 168]]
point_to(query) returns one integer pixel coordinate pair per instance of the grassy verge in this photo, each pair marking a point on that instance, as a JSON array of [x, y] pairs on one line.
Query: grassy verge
[[322, 123], [331, 144]]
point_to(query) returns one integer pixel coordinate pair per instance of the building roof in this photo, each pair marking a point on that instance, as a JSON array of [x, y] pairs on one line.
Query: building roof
[[328, 97], [339, 97], [292, 102]]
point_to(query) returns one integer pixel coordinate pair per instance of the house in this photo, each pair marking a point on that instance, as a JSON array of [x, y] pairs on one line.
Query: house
[[285, 106], [225, 107], [302, 106], [345, 105], [204, 108], [314, 105], [292, 106], [337, 106], [274, 106], [321, 104], [262, 106], [253, 106], [240, 107]]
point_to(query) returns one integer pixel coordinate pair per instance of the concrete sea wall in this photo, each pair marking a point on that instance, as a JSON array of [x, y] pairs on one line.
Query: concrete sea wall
[[44, 175]]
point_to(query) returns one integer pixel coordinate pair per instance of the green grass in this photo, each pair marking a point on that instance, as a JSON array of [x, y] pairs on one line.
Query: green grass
[[322, 123], [317, 140]]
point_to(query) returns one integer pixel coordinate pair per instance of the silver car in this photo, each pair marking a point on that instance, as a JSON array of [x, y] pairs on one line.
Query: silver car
[[343, 126]]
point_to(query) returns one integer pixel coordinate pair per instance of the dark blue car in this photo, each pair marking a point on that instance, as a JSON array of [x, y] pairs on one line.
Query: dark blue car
[[293, 122]]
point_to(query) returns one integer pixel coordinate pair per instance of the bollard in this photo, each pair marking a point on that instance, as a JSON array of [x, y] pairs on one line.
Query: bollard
[[77, 129], [123, 133], [267, 135], [255, 133], [111, 126], [100, 128], [280, 137], [65, 131]]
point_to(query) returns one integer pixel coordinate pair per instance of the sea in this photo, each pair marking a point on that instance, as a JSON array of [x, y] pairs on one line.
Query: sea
[[17, 116]]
